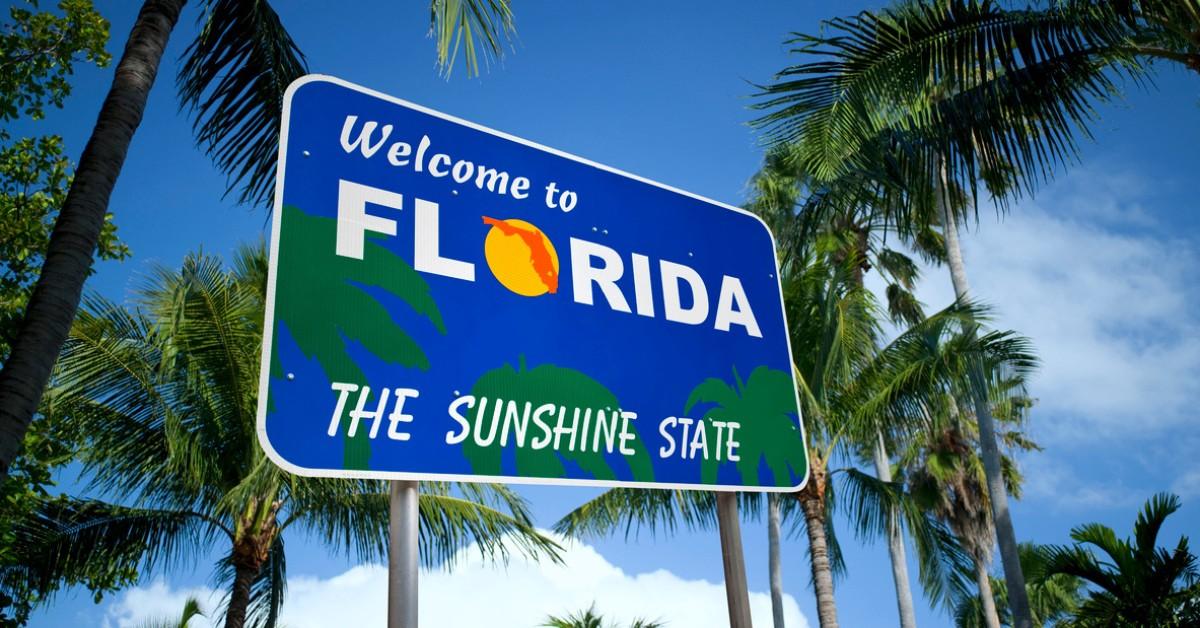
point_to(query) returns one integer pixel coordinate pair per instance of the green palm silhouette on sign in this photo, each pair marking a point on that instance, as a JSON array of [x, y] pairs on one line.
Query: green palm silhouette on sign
[[551, 384], [323, 302], [764, 405]]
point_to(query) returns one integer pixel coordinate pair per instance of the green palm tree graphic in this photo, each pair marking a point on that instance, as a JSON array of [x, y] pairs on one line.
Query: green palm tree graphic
[[765, 406], [327, 305], [547, 383]]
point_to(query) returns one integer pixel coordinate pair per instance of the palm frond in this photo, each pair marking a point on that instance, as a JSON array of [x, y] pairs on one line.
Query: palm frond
[[980, 86], [472, 25], [232, 80], [67, 539], [352, 515], [630, 510], [450, 523]]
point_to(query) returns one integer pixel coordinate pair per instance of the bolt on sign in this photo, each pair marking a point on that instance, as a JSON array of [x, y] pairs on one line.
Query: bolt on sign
[[449, 302]]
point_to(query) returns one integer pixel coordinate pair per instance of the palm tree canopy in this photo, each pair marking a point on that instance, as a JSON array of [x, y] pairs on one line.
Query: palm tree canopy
[[1134, 581], [164, 396], [968, 89], [234, 75], [1053, 598]]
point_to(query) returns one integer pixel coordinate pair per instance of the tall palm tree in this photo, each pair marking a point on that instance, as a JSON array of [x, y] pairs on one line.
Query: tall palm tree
[[164, 397], [232, 79], [776, 189], [849, 388], [1135, 582], [930, 98]]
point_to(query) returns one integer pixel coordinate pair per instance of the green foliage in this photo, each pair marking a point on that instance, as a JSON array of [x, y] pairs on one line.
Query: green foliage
[[547, 383], [235, 73], [165, 396], [1132, 582], [342, 282], [38, 52], [589, 618], [962, 91], [34, 178], [467, 24], [233, 78], [1053, 598], [967, 86]]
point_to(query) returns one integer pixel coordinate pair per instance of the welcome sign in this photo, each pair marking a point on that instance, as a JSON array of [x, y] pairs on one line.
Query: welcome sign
[[447, 302]]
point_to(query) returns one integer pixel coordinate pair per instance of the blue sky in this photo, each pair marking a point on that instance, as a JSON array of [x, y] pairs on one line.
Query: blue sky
[[1097, 269]]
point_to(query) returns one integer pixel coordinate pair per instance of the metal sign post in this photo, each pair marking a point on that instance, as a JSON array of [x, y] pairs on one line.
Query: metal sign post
[[403, 564], [737, 594]]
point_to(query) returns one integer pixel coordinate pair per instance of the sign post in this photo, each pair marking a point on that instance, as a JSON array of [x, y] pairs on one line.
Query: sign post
[[737, 593], [403, 562], [447, 302]]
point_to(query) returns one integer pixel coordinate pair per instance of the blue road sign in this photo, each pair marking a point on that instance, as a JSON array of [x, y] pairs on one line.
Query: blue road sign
[[448, 302]]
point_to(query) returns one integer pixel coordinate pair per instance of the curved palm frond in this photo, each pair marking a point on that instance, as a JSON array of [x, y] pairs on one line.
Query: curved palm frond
[[232, 80], [352, 515], [963, 84], [468, 24], [630, 510], [191, 610], [1136, 583], [69, 540], [450, 523]]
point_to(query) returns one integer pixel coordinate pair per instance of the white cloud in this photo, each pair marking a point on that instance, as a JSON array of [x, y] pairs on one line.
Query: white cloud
[[1049, 480], [1109, 299], [1187, 485], [158, 601], [477, 593]]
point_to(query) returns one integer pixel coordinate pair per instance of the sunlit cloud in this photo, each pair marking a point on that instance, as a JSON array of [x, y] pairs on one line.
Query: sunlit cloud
[[477, 593]]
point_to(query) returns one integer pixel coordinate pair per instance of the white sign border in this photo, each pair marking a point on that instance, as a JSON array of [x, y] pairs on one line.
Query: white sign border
[[264, 376]]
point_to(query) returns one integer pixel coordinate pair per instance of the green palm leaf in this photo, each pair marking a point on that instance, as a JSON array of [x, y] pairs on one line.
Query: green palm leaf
[[232, 79]]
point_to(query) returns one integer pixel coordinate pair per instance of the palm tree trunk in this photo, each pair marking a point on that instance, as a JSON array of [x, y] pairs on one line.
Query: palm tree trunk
[[998, 497], [986, 598], [239, 599], [812, 502], [904, 600], [773, 564], [68, 259]]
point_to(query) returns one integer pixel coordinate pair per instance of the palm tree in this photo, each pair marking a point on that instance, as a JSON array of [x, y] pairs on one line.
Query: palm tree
[[164, 397], [926, 99], [1136, 583], [947, 478], [776, 189], [591, 619], [849, 390], [232, 79], [1053, 598]]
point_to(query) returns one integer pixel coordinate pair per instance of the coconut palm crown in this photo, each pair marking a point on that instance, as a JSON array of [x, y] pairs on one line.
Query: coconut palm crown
[[164, 397]]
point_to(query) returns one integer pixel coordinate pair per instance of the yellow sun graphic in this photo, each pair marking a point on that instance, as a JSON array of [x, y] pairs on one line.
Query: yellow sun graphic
[[521, 257]]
